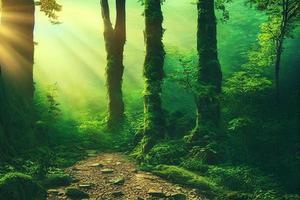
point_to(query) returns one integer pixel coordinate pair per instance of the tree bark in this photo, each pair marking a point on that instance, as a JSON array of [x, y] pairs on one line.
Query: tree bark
[[17, 56], [279, 45], [209, 72], [154, 122], [115, 39]]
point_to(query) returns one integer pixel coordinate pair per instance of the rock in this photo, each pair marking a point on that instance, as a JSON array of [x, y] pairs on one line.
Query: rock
[[75, 193], [57, 180], [85, 186], [118, 181], [91, 153], [178, 196], [117, 194], [53, 191], [96, 165], [118, 163], [75, 180], [61, 193], [107, 171], [156, 193]]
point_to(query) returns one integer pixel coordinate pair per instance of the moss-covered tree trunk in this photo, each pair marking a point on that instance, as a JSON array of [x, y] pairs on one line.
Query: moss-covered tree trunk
[[154, 124], [5, 149], [209, 72], [115, 39], [16, 59]]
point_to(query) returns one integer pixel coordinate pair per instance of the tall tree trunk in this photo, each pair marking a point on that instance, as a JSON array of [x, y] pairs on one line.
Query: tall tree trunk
[[5, 149], [154, 122], [115, 39], [209, 72], [279, 45], [277, 68], [17, 55]]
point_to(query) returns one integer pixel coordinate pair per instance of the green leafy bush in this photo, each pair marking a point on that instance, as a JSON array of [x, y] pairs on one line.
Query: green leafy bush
[[194, 164], [240, 178], [167, 153]]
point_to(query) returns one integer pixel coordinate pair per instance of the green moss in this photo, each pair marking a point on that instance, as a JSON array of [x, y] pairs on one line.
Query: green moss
[[57, 180], [167, 153], [185, 177], [17, 186]]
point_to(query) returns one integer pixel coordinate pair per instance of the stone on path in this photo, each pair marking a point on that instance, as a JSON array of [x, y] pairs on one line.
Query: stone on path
[[96, 165], [156, 193], [85, 186], [118, 181], [107, 171], [178, 196], [118, 163], [53, 191], [117, 194], [75, 193]]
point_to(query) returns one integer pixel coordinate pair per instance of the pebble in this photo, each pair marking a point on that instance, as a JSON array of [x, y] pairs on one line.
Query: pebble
[[117, 194], [156, 193], [85, 186], [118, 181], [53, 191], [107, 171], [96, 165]]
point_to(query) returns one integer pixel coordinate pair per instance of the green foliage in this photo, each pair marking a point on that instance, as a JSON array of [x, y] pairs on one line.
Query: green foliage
[[241, 178], [244, 83], [17, 186], [208, 154], [194, 164], [50, 8], [167, 153]]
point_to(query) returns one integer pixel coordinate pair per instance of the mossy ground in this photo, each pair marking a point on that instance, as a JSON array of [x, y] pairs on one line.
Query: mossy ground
[[17, 186]]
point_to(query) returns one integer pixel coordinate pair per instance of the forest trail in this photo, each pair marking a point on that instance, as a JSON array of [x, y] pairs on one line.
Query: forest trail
[[108, 176]]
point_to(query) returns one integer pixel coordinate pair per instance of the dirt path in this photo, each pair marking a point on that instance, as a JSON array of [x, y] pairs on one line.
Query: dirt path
[[114, 176]]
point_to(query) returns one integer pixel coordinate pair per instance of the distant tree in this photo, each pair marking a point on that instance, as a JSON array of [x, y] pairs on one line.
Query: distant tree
[[154, 122], [115, 39], [284, 16], [209, 73]]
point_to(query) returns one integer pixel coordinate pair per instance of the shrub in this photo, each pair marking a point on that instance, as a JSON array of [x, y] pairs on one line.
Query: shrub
[[17, 186], [194, 164], [167, 153]]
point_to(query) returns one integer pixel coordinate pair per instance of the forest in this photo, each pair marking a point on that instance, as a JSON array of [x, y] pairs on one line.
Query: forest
[[150, 99]]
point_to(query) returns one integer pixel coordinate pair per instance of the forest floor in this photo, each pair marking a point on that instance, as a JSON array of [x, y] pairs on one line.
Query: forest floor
[[107, 176]]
